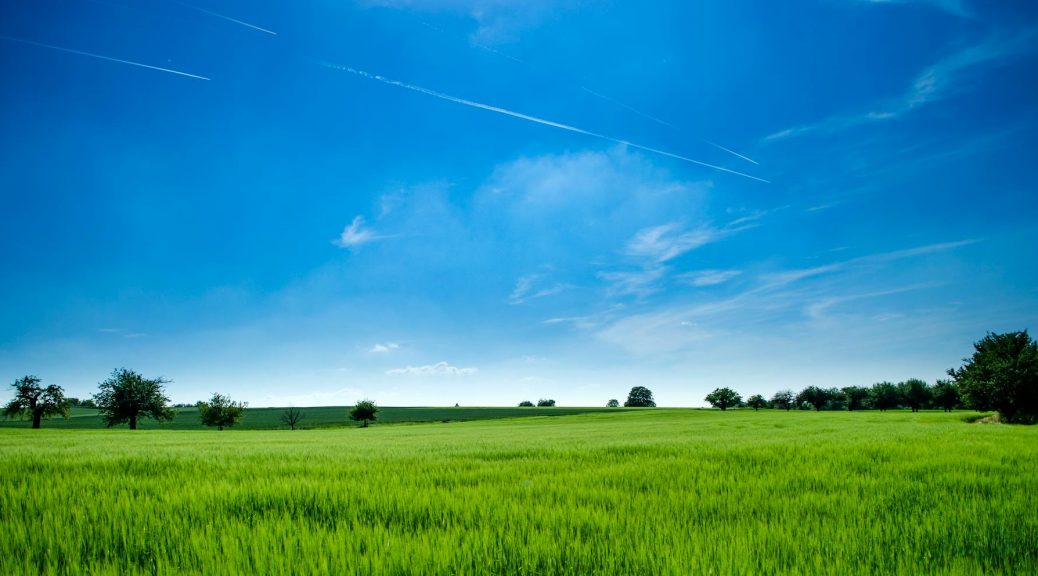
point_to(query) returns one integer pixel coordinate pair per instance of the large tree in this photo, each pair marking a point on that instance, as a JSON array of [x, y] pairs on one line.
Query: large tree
[[1001, 375], [884, 396], [783, 400], [723, 398], [221, 411], [126, 397], [31, 399], [815, 396], [856, 397], [756, 402], [915, 392], [946, 394], [640, 397], [364, 411]]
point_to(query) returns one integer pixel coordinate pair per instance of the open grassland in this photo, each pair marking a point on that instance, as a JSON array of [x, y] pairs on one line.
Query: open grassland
[[635, 492], [318, 417]]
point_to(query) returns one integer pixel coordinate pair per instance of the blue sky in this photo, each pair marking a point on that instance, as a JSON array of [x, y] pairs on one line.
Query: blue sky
[[531, 199]]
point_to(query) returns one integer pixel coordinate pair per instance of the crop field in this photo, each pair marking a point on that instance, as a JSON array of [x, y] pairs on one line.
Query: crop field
[[657, 491]]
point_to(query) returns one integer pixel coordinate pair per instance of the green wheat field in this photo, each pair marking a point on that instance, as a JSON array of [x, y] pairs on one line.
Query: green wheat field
[[653, 491]]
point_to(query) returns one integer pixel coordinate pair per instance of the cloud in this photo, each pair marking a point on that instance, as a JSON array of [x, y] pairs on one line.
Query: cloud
[[668, 241], [704, 278], [355, 234], [497, 21], [933, 84], [438, 369], [526, 289], [640, 283], [383, 348]]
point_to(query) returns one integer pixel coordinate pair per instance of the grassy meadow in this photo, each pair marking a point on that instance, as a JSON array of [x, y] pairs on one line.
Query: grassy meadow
[[657, 491]]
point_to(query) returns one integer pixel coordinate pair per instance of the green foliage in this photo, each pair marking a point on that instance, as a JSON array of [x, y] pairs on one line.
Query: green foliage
[[126, 397], [613, 403], [220, 411], [1002, 375], [34, 401], [856, 397], [915, 393], [291, 417], [545, 403], [640, 397], [364, 411], [723, 398], [600, 493], [783, 400], [884, 396], [815, 396], [756, 402], [526, 404], [946, 395]]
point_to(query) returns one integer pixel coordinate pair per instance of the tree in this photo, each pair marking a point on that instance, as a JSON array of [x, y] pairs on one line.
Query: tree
[[946, 394], [126, 397], [291, 417], [526, 404], [546, 403], [856, 397], [364, 412], [640, 397], [815, 396], [756, 402], [1001, 375], [33, 400], [884, 396], [221, 411], [613, 403], [915, 393], [783, 400], [723, 398]]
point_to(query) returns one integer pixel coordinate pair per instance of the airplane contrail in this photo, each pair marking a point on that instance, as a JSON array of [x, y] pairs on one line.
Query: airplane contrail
[[228, 18], [529, 118], [100, 57]]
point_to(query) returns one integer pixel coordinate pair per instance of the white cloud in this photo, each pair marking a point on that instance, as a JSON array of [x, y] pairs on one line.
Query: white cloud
[[526, 289], [355, 234], [438, 369], [703, 278], [668, 241], [379, 348], [639, 283]]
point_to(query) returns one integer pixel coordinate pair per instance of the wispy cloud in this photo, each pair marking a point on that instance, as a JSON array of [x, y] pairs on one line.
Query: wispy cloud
[[668, 241], [438, 369], [933, 84], [100, 57], [703, 278], [639, 283], [527, 288], [355, 234], [383, 348]]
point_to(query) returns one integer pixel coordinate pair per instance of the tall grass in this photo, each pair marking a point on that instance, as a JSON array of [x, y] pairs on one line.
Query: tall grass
[[637, 492]]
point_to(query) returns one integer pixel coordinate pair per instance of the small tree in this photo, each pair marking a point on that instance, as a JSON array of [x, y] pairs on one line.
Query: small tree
[[640, 397], [756, 402], [126, 397], [885, 396], [723, 398], [613, 403], [221, 411], [856, 397], [946, 394], [783, 400], [291, 417], [815, 396], [526, 404], [364, 412], [1002, 375], [915, 393], [31, 399], [546, 403]]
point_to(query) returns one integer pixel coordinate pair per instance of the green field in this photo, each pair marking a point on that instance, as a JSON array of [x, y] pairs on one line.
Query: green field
[[662, 491], [318, 417]]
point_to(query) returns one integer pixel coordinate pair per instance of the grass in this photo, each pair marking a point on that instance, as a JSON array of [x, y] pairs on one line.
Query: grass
[[635, 492], [318, 417]]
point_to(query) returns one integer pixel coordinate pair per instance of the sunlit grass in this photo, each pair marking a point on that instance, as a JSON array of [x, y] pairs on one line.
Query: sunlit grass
[[638, 492]]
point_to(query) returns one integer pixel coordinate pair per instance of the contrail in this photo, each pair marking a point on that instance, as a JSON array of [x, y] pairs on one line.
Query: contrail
[[663, 122], [529, 118], [100, 57], [228, 18]]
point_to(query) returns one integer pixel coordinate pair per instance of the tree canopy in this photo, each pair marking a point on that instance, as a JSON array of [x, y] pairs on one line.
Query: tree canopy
[[815, 396], [756, 402], [640, 397], [546, 403], [613, 403], [364, 411], [783, 400], [220, 411], [946, 394], [34, 401], [884, 395], [915, 393], [1001, 375], [723, 398], [856, 397], [126, 397]]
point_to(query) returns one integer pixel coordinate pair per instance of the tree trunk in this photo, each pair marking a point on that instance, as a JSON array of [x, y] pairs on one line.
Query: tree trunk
[[36, 417], [133, 422]]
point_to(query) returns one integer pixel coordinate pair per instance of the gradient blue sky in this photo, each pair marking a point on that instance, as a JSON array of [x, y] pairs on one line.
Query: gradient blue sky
[[290, 232]]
